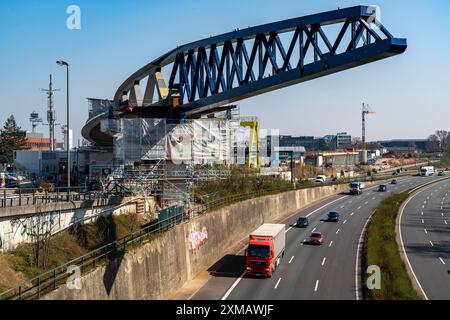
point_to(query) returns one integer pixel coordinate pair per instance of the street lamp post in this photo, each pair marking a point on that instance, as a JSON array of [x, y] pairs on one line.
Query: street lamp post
[[63, 63]]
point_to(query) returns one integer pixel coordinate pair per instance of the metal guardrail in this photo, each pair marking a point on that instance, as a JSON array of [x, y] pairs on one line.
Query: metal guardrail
[[50, 280], [32, 196]]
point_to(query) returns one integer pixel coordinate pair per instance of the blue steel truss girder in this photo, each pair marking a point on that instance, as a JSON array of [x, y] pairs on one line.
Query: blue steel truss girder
[[230, 67]]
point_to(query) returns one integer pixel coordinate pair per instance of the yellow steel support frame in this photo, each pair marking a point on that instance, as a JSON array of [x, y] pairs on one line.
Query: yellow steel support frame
[[254, 140]]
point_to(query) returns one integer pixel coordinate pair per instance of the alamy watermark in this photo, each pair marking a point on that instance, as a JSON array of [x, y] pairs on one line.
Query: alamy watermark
[[374, 20], [74, 278], [73, 22], [374, 279]]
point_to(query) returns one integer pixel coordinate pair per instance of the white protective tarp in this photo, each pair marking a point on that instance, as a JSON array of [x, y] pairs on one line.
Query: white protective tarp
[[199, 141]]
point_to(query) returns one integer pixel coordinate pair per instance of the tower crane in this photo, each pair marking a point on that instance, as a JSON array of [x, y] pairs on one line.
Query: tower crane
[[365, 111]]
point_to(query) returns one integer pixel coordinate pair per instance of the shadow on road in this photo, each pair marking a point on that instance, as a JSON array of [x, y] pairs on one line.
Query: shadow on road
[[230, 266]]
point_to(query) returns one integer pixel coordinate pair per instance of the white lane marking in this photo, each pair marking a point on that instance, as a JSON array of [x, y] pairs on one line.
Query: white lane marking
[[352, 213], [425, 231], [422, 213], [442, 214], [342, 207], [367, 202], [442, 260], [317, 286], [423, 207], [323, 261], [318, 209], [345, 221], [403, 245], [227, 294], [359, 208], [423, 221], [358, 252], [445, 221], [278, 282], [290, 261], [313, 230], [331, 243], [338, 231], [431, 242]]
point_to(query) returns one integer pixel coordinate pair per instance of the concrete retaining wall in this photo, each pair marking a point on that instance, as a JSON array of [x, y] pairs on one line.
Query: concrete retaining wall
[[157, 269]]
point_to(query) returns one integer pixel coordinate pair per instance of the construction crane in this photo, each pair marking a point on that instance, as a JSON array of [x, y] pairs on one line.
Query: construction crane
[[365, 111]]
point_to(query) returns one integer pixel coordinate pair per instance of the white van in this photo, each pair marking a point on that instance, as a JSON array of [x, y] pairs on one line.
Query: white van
[[321, 179], [427, 171]]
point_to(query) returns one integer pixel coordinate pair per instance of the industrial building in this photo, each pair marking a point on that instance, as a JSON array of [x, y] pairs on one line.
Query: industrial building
[[410, 146], [333, 159]]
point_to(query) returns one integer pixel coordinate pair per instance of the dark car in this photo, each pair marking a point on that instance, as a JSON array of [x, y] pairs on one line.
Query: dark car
[[302, 222], [382, 188], [441, 174], [316, 238], [394, 181], [333, 217]]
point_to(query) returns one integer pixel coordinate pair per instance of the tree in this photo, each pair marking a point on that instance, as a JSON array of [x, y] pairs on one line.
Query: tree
[[441, 137], [11, 139]]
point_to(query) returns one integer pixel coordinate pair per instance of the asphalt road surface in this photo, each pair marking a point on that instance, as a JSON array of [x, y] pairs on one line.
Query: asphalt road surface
[[425, 229], [309, 272]]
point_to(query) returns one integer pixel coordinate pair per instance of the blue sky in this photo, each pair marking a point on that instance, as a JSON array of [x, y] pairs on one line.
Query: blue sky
[[410, 92]]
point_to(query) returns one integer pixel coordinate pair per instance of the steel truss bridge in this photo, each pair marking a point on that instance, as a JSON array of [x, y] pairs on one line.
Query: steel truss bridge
[[206, 75]]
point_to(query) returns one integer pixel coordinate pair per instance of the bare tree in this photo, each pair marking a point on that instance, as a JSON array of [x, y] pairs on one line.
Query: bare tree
[[442, 137]]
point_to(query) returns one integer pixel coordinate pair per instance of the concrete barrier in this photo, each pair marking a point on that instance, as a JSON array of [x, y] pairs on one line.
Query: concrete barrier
[[160, 267]]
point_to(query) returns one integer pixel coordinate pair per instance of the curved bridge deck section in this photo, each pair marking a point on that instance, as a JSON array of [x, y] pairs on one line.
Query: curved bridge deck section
[[219, 70]]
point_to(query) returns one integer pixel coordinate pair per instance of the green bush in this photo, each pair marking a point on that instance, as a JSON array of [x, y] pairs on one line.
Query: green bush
[[381, 249]]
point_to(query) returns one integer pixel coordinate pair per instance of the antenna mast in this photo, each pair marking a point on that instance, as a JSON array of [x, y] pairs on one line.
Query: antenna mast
[[51, 112]]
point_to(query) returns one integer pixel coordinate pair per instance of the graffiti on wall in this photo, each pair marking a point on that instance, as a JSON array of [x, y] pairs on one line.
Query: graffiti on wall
[[197, 239], [35, 225]]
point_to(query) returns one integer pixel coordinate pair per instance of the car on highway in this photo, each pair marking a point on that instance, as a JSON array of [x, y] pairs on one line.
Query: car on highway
[[394, 181], [316, 238], [333, 216], [382, 188], [302, 222]]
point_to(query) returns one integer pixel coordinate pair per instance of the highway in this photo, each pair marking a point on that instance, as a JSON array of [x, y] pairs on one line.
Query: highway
[[425, 230], [310, 272]]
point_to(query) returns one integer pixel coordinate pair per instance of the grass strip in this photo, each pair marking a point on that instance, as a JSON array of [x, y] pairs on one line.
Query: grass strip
[[380, 249]]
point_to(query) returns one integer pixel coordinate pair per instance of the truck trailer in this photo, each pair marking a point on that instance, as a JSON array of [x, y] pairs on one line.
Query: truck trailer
[[266, 247]]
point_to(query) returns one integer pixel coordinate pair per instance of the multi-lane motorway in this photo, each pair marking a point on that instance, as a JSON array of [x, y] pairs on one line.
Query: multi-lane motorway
[[425, 230], [331, 271]]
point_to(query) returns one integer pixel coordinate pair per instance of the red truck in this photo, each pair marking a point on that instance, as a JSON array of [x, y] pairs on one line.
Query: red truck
[[266, 247]]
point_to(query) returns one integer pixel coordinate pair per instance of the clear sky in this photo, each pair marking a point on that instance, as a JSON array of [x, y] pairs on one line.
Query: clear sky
[[410, 92]]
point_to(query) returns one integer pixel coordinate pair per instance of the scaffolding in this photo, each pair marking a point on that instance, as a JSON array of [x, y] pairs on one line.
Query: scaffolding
[[156, 158]]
